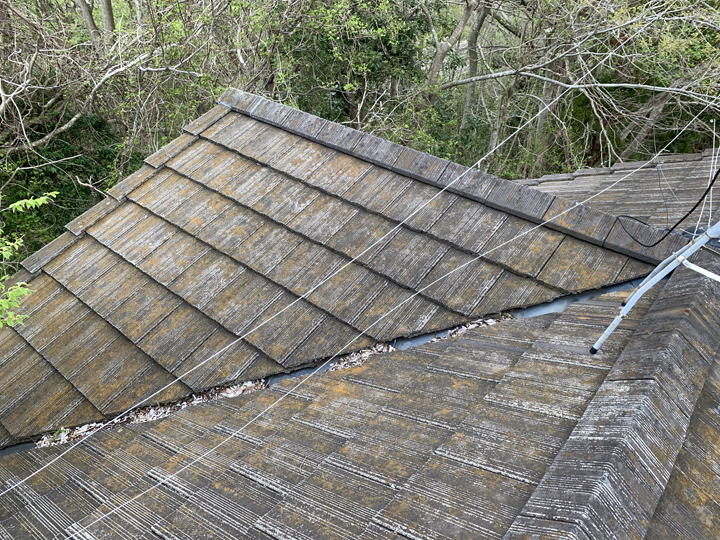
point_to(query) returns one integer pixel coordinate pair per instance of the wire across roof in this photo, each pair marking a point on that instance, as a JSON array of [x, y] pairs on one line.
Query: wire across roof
[[284, 237], [511, 431], [659, 192]]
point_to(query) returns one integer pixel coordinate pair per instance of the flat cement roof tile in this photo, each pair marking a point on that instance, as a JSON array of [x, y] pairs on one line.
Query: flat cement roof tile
[[577, 266], [526, 254], [225, 359], [209, 118], [173, 257], [322, 218], [339, 173], [177, 336], [306, 158], [285, 201], [420, 165], [203, 280], [44, 255], [464, 288], [121, 189], [165, 193], [203, 207], [408, 257], [176, 146], [468, 224], [239, 100], [267, 247], [327, 492], [100, 210], [363, 236], [308, 266], [453, 500], [143, 310], [302, 123], [432, 202], [242, 301], [120, 282], [332, 337], [271, 112], [376, 150], [389, 449], [376, 190], [511, 290], [231, 228]]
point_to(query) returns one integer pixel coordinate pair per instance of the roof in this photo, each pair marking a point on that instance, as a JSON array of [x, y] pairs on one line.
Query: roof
[[658, 192], [512, 431], [284, 237]]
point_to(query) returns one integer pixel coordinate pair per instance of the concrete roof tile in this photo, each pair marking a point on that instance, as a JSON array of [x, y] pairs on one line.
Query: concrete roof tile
[[45, 254], [198, 125], [168, 151], [248, 210]]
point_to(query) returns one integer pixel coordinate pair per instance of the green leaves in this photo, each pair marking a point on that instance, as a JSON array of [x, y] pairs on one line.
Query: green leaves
[[10, 300], [10, 297], [33, 202]]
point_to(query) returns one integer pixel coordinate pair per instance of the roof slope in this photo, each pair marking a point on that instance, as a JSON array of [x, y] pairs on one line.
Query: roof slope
[[513, 431], [253, 207], [473, 423], [659, 192]]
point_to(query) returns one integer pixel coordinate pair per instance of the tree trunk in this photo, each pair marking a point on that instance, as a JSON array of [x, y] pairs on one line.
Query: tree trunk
[[442, 48], [649, 123], [92, 28], [542, 137], [138, 14], [473, 63], [108, 18], [497, 129]]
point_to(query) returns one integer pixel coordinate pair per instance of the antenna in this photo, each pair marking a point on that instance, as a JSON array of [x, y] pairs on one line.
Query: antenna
[[663, 269]]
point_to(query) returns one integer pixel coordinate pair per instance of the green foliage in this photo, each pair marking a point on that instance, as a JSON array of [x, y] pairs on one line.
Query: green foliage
[[347, 52], [35, 202], [92, 151], [10, 296], [9, 300], [364, 63]]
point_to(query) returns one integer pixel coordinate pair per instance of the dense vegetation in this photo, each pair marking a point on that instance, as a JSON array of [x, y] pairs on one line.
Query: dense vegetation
[[88, 89]]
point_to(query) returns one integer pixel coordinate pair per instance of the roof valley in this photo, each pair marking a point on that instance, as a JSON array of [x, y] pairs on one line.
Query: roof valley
[[454, 397]]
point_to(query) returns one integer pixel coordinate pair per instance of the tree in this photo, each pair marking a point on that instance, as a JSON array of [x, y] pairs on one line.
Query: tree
[[11, 296], [88, 88], [618, 66]]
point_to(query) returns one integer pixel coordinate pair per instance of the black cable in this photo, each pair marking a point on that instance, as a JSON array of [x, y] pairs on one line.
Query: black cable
[[710, 185]]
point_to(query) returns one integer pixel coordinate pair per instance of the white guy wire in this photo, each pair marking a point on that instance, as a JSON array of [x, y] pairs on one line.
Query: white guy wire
[[319, 368], [234, 434], [231, 344], [117, 418], [713, 166], [313, 289]]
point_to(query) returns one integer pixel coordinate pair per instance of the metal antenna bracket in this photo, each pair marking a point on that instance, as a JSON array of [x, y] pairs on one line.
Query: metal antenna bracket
[[662, 270]]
